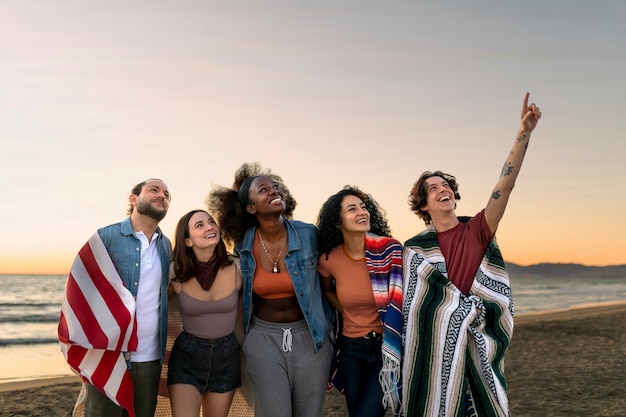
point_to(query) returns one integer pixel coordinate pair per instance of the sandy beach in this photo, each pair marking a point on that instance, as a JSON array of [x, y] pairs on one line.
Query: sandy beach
[[561, 363]]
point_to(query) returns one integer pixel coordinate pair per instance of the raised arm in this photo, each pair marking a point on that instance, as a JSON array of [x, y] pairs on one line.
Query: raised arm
[[502, 191]]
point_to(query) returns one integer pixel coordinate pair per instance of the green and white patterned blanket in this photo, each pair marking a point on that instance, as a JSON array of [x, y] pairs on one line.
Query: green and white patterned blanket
[[454, 345]]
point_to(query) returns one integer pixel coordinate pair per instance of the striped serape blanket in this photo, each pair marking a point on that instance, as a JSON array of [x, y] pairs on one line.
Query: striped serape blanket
[[97, 324], [383, 256], [454, 345]]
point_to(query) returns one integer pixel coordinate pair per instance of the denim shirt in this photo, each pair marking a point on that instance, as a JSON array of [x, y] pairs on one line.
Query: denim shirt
[[301, 260], [125, 251]]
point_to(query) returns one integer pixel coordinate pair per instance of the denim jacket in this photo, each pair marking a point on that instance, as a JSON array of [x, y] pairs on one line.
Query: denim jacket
[[125, 251], [301, 260]]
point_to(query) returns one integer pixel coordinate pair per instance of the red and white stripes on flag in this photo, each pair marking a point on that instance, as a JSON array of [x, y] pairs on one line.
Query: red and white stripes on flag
[[98, 324]]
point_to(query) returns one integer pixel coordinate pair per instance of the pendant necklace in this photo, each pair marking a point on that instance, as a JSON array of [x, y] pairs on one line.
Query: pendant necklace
[[275, 267]]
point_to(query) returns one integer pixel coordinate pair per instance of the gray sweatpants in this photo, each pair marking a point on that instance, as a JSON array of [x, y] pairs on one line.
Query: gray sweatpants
[[287, 376]]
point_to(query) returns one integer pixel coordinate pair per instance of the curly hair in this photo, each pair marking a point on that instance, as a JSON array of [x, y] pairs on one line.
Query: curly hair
[[417, 196], [233, 219], [329, 218], [183, 256]]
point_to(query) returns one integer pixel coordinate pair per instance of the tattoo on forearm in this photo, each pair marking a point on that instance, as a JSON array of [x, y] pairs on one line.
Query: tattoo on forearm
[[522, 137], [525, 149], [507, 169], [495, 195]]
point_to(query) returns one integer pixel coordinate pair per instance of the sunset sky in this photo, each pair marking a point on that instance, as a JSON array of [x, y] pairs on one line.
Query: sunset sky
[[96, 96]]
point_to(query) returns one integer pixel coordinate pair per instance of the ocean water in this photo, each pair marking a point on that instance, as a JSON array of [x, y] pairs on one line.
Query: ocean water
[[30, 308]]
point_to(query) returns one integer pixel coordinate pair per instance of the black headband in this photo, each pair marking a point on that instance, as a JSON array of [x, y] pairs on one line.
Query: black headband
[[244, 192]]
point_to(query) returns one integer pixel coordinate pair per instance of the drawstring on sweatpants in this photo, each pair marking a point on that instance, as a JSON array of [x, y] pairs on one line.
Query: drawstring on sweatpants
[[287, 339]]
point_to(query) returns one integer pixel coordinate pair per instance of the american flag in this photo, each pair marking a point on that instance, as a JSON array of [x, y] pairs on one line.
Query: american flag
[[97, 324]]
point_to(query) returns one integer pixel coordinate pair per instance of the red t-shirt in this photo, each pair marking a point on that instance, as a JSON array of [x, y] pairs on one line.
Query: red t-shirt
[[463, 248]]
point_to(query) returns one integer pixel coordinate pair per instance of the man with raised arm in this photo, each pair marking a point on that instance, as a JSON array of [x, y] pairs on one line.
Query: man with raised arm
[[457, 309]]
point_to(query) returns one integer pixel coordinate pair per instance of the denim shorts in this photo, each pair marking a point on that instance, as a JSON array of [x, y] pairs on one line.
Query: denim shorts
[[211, 365]]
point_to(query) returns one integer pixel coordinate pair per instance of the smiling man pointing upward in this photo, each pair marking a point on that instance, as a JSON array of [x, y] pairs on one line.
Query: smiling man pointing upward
[[457, 309]]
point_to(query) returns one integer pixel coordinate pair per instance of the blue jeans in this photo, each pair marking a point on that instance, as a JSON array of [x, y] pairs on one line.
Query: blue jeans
[[360, 362]]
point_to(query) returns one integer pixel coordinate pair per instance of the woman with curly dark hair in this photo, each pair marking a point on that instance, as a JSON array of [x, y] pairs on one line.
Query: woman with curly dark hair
[[285, 316], [361, 272]]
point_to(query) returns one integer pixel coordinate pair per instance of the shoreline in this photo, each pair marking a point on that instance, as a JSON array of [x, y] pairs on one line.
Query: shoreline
[[570, 313], [37, 383]]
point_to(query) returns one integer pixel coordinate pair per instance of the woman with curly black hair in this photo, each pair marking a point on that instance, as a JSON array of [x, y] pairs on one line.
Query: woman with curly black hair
[[361, 272], [285, 316]]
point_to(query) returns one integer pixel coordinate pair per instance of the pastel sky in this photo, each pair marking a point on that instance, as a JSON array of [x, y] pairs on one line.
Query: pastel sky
[[96, 96]]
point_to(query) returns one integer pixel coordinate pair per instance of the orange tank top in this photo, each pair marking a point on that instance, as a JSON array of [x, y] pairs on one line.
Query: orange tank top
[[267, 284]]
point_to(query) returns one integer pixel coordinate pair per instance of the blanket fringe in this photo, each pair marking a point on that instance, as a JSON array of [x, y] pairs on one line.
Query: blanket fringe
[[389, 378]]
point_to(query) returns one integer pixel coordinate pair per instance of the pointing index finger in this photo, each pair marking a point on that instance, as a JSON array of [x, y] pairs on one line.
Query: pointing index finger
[[525, 104]]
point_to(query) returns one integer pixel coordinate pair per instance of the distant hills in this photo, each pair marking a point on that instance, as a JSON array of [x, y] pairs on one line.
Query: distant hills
[[546, 270]]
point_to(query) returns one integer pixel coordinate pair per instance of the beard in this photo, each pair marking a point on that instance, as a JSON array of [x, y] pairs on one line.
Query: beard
[[147, 209]]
